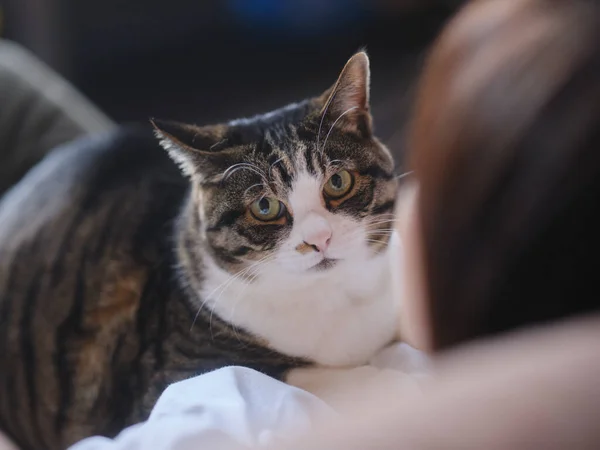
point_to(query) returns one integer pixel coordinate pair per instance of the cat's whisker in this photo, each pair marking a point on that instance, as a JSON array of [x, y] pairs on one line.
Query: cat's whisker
[[379, 230], [245, 271], [201, 307], [391, 219], [403, 175], [368, 231], [331, 163], [257, 265], [224, 286], [382, 224], [334, 124], [239, 298], [273, 165], [228, 283], [248, 166], [379, 222], [365, 235], [252, 187], [238, 275], [379, 226], [331, 97], [379, 242], [374, 227], [381, 216]]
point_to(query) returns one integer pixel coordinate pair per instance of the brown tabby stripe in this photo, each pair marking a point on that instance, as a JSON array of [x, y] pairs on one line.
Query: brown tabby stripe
[[28, 353], [9, 421], [64, 333], [384, 207]]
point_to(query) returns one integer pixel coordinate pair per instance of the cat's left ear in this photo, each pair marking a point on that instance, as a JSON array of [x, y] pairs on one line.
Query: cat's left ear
[[195, 149], [346, 103]]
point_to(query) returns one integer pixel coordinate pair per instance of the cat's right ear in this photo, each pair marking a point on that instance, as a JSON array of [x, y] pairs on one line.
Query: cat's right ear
[[346, 103], [195, 149]]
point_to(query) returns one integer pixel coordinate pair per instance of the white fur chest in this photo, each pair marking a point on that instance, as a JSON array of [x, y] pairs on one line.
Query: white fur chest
[[340, 317]]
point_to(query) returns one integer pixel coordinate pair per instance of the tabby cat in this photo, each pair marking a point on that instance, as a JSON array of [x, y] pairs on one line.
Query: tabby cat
[[119, 275]]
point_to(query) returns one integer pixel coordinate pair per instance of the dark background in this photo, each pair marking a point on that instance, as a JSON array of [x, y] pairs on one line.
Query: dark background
[[209, 60]]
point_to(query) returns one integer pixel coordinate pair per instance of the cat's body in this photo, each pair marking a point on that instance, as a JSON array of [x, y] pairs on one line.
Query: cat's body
[[118, 276]]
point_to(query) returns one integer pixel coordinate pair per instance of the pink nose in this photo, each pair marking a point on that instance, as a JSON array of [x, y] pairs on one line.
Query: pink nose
[[319, 240]]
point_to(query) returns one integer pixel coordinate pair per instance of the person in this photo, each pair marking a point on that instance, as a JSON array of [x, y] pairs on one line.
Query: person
[[504, 146], [499, 225]]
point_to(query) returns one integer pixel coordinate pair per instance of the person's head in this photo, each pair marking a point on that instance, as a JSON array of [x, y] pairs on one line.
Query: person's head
[[505, 150]]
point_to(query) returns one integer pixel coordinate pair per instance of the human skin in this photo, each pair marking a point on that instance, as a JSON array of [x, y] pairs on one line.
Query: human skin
[[531, 390]]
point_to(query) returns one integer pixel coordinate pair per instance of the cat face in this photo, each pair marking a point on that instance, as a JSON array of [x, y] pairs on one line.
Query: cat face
[[302, 190]]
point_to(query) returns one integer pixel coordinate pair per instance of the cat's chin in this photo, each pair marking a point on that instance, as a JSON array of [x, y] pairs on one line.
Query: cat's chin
[[325, 264], [324, 267]]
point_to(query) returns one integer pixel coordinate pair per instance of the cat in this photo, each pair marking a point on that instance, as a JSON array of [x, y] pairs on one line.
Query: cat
[[122, 272]]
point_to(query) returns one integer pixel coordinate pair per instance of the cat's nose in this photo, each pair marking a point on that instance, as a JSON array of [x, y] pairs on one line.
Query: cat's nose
[[316, 231], [319, 240]]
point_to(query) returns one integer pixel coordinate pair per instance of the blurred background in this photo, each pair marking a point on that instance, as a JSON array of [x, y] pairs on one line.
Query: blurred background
[[212, 60]]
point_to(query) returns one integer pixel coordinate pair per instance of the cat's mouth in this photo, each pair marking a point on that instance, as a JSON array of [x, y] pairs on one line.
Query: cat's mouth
[[325, 264]]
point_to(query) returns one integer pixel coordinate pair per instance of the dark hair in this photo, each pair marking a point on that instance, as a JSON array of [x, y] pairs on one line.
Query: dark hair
[[506, 147]]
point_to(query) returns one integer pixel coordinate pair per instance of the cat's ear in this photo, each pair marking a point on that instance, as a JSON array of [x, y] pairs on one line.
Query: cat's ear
[[346, 103], [195, 149]]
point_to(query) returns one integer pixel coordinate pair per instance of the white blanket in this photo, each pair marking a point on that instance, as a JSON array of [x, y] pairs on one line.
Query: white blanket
[[237, 407]]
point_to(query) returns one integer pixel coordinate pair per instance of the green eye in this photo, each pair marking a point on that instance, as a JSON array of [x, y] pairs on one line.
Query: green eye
[[339, 184], [267, 209]]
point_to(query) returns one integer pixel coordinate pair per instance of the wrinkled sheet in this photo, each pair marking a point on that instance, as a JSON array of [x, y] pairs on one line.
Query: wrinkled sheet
[[236, 407]]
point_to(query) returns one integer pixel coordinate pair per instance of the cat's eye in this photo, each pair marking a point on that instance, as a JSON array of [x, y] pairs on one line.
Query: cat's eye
[[339, 184], [267, 209]]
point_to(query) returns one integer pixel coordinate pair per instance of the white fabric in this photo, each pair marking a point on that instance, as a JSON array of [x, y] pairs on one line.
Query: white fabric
[[236, 407]]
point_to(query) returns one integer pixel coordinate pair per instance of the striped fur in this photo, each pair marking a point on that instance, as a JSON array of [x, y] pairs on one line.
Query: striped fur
[[107, 253]]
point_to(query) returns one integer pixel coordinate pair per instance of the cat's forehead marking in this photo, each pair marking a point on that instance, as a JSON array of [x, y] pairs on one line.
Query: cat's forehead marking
[[293, 132], [305, 195], [276, 161], [299, 155]]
